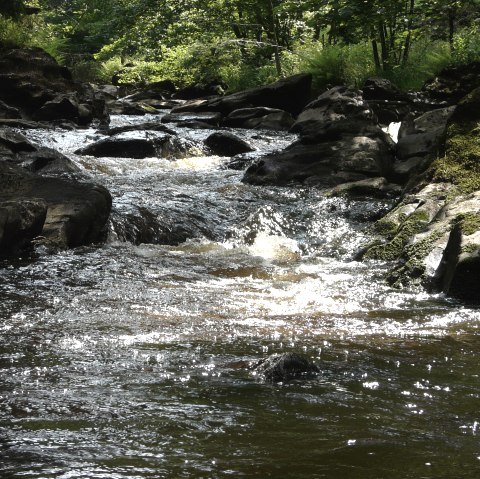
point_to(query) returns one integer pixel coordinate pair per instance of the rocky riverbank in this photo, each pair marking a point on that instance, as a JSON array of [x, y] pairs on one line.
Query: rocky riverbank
[[431, 236]]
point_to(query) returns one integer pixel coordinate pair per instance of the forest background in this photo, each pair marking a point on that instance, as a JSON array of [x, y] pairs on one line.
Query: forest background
[[244, 43]]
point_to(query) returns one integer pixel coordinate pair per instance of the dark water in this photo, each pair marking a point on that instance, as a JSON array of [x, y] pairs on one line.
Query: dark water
[[128, 360]]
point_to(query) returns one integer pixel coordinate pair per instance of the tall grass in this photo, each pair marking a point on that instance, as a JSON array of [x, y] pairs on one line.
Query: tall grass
[[351, 65]]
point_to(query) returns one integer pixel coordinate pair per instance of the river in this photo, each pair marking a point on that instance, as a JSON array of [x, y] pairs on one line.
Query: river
[[130, 360]]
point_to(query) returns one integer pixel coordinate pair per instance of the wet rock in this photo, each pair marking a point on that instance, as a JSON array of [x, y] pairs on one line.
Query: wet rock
[[15, 142], [338, 134], [48, 162], [425, 135], [259, 117], [289, 94], [60, 108], [128, 145], [20, 222], [432, 234], [370, 188], [211, 118], [142, 144], [368, 151], [122, 107], [285, 367], [7, 111], [147, 126], [227, 144], [76, 213], [458, 275], [340, 104]]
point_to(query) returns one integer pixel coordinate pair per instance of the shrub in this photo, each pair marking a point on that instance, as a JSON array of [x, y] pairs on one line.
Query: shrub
[[466, 46]]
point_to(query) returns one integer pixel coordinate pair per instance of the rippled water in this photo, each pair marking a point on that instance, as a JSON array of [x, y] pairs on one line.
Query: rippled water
[[130, 360]]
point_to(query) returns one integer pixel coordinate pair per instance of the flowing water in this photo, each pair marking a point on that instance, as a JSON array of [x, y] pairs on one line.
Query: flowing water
[[130, 359]]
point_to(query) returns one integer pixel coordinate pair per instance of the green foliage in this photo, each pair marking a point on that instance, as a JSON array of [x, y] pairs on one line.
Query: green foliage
[[12, 34], [466, 45], [427, 58]]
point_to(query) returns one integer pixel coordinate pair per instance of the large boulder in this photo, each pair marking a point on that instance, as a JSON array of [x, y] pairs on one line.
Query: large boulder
[[433, 234], [141, 144], [290, 94], [259, 118], [17, 149], [35, 85], [339, 104], [76, 213], [339, 142]]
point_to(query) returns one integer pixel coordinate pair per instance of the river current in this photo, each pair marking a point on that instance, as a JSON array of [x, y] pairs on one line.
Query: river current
[[129, 360]]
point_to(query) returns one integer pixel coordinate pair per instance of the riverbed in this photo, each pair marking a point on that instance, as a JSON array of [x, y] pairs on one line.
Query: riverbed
[[131, 359]]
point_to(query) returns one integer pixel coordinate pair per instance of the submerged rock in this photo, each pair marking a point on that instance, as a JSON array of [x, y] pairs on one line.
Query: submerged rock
[[285, 367]]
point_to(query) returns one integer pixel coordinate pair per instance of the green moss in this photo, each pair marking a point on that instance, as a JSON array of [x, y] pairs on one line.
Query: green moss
[[393, 249], [414, 266], [469, 248], [461, 163], [468, 222], [386, 227]]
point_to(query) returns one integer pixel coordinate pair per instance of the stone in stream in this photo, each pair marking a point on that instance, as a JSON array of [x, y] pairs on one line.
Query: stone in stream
[[259, 118], [227, 144], [134, 144], [290, 94], [285, 367], [339, 137], [65, 213]]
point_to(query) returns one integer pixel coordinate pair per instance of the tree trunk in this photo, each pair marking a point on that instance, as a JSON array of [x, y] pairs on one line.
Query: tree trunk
[[376, 56], [451, 29], [408, 40]]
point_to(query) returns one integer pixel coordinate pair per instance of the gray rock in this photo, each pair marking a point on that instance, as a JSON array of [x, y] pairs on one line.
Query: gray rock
[[370, 187], [146, 126], [367, 152], [340, 104]]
